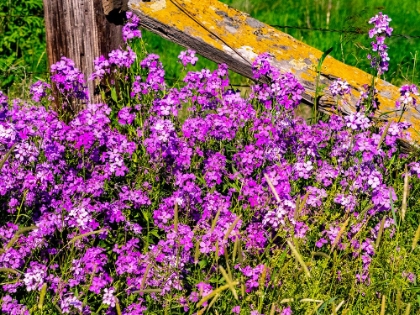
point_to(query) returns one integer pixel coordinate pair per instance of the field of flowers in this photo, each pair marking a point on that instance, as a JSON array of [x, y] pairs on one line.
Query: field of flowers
[[197, 199]]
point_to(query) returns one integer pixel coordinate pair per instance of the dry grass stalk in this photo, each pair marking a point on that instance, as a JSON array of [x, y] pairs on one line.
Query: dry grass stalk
[[405, 194], [176, 217], [312, 300], [383, 305], [339, 306], [380, 232], [229, 281], [227, 264], [399, 301], [197, 251], [303, 203], [10, 270], [78, 237], [383, 135], [340, 233], [416, 238], [213, 224], [263, 276], [6, 156], [299, 259], [148, 291], [213, 293], [42, 294], [118, 307], [235, 249], [273, 308], [16, 236], [231, 227], [213, 301], [143, 281], [273, 190]]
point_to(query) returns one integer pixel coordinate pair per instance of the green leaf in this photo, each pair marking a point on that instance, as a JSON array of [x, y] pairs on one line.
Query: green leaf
[[114, 95], [134, 157], [323, 305], [202, 264], [324, 55]]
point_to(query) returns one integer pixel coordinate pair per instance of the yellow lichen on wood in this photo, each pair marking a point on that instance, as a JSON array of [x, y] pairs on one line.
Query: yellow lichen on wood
[[230, 36]]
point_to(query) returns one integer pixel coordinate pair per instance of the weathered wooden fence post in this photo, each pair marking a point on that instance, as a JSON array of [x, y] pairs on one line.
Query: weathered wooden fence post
[[226, 35], [83, 30]]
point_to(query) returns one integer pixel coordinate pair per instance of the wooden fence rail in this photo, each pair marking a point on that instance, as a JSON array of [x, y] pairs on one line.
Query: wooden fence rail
[[225, 35]]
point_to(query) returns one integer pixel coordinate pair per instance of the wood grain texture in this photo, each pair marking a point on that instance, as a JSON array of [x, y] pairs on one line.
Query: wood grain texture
[[114, 5], [79, 30], [225, 35]]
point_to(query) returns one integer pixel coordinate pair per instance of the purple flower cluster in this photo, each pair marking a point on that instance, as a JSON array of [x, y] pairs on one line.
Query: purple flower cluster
[[130, 29], [123, 208], [117, 58], [339, 87], [154, 81], [284, 88], [69, 80], [39, 90], [406, 99], [187, 57], [380, 31]]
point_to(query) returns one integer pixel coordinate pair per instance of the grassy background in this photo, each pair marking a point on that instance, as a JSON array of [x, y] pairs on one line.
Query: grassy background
[[22, 40], [334, 15], [22, 44]]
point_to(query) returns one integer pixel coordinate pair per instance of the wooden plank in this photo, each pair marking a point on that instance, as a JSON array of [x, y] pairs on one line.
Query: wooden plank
[[79, 30], [225, 35]]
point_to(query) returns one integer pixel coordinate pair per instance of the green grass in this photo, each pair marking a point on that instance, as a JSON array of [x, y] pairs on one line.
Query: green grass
[[334, 15], [22, 45]]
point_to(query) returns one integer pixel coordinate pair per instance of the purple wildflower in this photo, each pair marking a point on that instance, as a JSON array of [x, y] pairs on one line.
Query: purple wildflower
[[339, 87], [39, 90], [130, 29], [187, 57], [108, 298], [125, 116], [102, 67], [406, 98], [122, 58], [380, 30], [35, 276], [68, 79]]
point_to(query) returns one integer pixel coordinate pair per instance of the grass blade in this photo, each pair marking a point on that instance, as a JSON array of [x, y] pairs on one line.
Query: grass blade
[[6, 156], [42, 294], [213, 293]]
